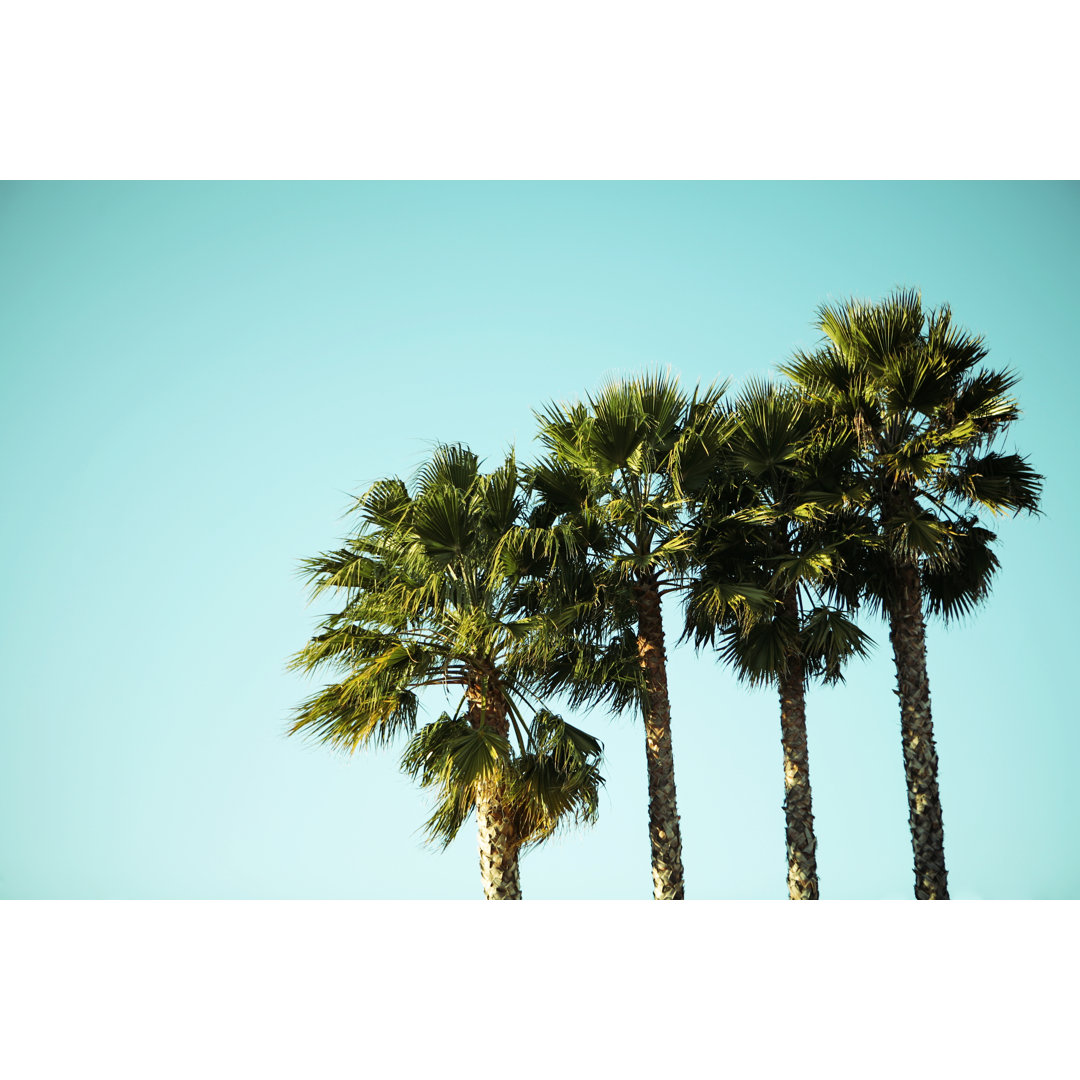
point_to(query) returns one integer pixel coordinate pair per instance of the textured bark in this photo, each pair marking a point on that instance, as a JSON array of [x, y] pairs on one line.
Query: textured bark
[[798, 812], [498, 852], [907, 631], [498, 845], [667, 869]]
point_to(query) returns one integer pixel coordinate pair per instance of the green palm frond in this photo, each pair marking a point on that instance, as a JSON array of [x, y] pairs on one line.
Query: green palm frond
[[837, 323], [985, 399], [998, 482], [442, 523], [828, 639], [453, 752], [348, 716], [812, 564], [889, 329], [758, 652], [954, 348], [771, 427], [342, 569], [695, 453], [603, 670], [569, 745], [658, 398], [825, 375], [711, 604], [915, 380], [918, 535], [496, 500], [816, 506], [454, 757], [564, 430], [617, 432], [955, 589], [385, 503], [558, 781], [561, 487], [543, 796], [451, 466], [913, 461]]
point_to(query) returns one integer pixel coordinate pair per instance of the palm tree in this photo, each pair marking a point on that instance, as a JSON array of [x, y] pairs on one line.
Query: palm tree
[[906, 384], [612, 517], [776, 515], [430, 601]]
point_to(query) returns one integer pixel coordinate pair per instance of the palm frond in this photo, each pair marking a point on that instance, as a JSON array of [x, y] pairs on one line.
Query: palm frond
[[998, 482], [385, 503], [829, 638], [442, 524], [955, 589], [985, 399], [916, 535], [454, 757], [759, 652], [347, 718], [451, 465]]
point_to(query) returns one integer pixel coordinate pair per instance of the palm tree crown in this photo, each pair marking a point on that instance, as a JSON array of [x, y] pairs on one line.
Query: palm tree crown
[[908, 386]]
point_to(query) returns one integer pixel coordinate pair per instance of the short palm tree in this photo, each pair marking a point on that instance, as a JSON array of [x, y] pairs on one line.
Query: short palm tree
[[907, 385], [613, 495], [775, 516], [431, 602]]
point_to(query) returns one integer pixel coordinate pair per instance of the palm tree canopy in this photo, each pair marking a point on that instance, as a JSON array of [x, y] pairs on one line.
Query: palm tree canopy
[[781, 508], [906, 383], [432, 600], [621, 467]]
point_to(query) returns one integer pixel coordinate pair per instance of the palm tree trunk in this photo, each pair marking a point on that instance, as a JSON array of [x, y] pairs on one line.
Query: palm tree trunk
[[907, 631], [798, 812], [498, 847], [498, 852], [667, 869]]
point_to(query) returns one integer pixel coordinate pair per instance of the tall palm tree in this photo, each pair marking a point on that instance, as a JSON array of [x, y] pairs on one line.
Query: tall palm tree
[[431, 602], [613, 492], [908, 386], [776, 514]]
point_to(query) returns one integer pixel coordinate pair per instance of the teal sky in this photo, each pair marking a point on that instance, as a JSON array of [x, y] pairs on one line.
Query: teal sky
[[197, 376]]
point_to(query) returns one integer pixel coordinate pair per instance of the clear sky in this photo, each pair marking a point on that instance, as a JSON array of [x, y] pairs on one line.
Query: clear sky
[[196, 377]]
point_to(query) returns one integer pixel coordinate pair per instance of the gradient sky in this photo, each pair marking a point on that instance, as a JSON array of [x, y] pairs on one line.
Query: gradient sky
[[197, 376]]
